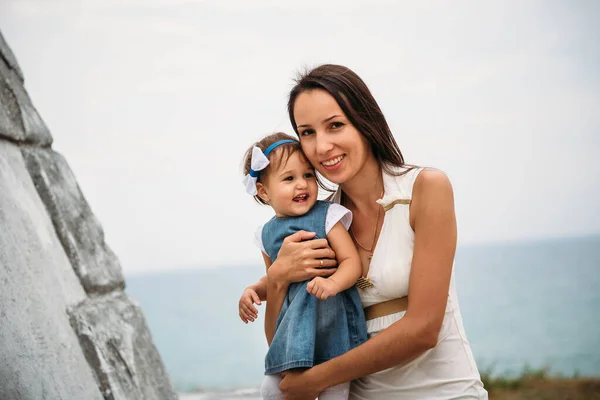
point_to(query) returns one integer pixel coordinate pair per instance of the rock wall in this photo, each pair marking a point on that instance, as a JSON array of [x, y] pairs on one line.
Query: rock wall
[[67, 328]]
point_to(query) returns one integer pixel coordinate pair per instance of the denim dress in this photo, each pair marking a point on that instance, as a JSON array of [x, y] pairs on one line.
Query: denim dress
[[310, 331]]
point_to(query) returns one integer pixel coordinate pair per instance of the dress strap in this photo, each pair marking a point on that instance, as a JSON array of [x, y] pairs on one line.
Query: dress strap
[[398, 189]]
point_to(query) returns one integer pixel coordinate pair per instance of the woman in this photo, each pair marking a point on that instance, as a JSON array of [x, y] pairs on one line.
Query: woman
[[405, 229]]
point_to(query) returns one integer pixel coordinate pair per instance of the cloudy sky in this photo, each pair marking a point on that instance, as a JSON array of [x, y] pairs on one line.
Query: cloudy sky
[[153, 103]]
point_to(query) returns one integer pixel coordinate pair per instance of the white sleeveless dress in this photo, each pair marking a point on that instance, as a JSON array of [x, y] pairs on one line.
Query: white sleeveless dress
[[448, 371]]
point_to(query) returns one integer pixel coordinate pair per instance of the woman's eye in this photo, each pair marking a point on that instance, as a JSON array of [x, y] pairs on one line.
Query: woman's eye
[[306, 132], [336, 125]]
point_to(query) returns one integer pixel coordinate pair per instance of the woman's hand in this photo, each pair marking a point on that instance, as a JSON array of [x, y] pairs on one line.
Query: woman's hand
[[300, 259], [299, 386], [246, 305]]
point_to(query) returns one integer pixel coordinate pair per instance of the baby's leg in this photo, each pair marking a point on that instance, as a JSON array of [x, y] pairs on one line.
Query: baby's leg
[[269, 390], [339, 392]]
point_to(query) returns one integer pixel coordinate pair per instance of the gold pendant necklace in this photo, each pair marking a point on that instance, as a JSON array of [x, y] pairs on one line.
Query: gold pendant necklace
[[373, 240], [369, 250]]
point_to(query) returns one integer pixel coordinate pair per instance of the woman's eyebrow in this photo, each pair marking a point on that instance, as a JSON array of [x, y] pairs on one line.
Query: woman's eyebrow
[[330, 118], [324, 121]]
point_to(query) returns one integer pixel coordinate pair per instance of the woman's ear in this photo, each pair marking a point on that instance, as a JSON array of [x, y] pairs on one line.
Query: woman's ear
[[262, 192]]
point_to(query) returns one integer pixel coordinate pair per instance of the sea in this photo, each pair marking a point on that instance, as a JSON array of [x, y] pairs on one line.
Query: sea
[[525, 305]]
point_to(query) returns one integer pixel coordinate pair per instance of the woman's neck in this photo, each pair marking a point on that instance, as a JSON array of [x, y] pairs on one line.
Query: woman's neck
[[365, 187]]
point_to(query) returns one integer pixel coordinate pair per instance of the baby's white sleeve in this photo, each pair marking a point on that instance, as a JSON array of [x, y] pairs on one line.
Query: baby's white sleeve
[[258, 239], [337, 213]]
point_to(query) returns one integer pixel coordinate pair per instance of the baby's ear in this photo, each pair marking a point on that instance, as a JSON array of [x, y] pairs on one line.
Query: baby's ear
[[262, 192]]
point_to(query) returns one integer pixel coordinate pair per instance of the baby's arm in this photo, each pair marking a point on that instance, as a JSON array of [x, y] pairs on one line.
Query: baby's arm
[[253, 294], [260, 288], [349, 267]]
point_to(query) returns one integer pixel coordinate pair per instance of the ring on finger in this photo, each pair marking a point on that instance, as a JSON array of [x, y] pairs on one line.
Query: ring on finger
[[321, 263]]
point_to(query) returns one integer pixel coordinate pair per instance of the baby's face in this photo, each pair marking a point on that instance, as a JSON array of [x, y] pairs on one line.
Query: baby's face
[[292, 189]]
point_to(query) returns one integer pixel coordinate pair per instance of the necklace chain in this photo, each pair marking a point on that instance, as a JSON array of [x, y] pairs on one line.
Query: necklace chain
[[370, 250]]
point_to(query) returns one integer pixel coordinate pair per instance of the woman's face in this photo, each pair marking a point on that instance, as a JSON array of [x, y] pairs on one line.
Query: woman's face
[[329, 140]]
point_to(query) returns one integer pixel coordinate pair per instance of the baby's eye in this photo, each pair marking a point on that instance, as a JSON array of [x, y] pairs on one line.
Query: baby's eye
[[288, 178], [309, 175]]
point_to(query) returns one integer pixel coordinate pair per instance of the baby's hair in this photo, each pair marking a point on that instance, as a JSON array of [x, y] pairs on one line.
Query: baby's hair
[[278, 157]]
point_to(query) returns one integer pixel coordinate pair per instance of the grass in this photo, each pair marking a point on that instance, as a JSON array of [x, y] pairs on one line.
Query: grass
[[539, 384], [527, 374]]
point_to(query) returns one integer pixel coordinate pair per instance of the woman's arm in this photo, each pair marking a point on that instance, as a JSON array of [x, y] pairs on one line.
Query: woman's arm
[[434, 222], [277, 290], [274, 306], [303, 262], [349, 267], [298, 260]]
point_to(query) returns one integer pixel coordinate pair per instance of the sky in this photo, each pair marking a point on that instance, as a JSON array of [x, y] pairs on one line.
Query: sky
[[154, 102]]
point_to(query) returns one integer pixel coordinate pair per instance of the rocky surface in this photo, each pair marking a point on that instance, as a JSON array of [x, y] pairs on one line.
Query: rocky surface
[[67, 329], [40, 354], [77, 228], [19, 120], [116, 342]]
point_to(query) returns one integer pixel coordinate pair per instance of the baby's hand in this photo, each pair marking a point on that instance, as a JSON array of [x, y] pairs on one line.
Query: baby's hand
[[246, 305], [322, 288]]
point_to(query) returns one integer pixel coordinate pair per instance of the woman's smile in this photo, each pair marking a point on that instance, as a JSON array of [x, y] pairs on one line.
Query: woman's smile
[[333, 163]]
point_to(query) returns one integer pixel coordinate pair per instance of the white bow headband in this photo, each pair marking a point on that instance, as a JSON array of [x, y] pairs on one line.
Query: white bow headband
[[258, 162]]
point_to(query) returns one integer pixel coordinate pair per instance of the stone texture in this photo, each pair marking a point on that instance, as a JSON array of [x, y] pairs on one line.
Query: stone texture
[[117, 344], [11, 125], [9, 58], [67, 329], [40, 354], [76, 226], [19, 120]]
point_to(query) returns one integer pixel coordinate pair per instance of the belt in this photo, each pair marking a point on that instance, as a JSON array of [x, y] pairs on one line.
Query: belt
[[386, 308]]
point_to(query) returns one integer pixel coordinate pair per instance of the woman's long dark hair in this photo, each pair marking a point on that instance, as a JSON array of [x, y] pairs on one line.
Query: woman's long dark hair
[[358, 104]]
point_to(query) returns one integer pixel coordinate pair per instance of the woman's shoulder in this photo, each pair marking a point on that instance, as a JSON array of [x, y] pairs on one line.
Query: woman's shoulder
[[414, 173], [432, 179], [432, 186], [402, 182]]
